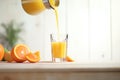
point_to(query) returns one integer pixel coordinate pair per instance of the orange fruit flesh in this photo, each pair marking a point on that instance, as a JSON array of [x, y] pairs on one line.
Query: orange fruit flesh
[[1, 52], [33, 57], [19, 52], [69, 59]]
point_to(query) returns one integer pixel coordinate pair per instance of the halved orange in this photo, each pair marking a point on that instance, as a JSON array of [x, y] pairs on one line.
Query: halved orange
[[1, 52], [19, 52], [33, 57], [69, 59]]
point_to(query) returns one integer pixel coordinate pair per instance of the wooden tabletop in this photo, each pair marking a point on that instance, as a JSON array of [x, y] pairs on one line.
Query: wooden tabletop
[[65, 66]]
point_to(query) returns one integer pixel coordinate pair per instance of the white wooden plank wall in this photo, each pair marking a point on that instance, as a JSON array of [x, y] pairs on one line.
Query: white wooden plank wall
[[115, 25], [93, 28]]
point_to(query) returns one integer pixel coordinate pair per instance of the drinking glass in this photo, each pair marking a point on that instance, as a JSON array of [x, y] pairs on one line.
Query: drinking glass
[[59, 47]]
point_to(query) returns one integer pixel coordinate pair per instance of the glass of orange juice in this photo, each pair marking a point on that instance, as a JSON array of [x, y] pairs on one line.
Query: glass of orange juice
[[59, 47]]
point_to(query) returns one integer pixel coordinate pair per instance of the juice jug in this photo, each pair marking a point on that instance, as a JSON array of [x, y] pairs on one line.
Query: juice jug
[[34, 7]]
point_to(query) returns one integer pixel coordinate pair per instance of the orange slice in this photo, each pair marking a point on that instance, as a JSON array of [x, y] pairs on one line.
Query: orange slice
[[19, 52], [1, 52], [69, 59], [33, 57]]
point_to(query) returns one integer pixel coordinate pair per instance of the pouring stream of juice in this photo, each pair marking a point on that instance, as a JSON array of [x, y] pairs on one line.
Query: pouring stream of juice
[[53, 5]]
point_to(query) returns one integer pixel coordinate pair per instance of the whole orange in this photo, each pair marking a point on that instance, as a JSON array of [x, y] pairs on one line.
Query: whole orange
[[8, 57], [1, 52]]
